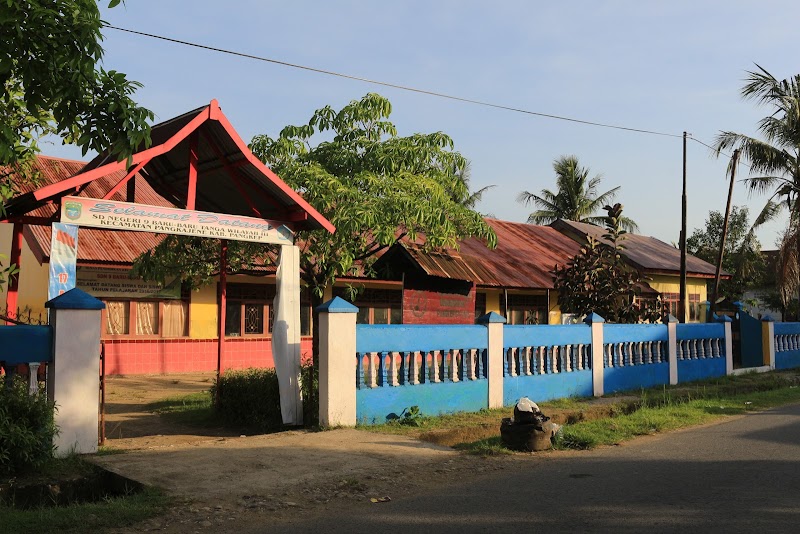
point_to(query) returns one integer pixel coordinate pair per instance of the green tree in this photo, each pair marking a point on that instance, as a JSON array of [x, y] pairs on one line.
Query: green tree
[[599, 280], [742, 257], [373, 185], [775, 161], [49, 69], [575, 199]]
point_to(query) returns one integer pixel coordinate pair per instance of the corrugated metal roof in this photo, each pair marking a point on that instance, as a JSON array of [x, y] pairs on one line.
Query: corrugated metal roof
[[644, 252], [523, 259]]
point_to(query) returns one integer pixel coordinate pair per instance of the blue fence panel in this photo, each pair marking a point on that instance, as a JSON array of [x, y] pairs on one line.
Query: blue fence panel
[[635, 377], [378, 405], [25, 344], [375, 338], [546, 362], [635, 356], [787, 345], [700, 351], [547, 387], [690, 370], [440, 369]]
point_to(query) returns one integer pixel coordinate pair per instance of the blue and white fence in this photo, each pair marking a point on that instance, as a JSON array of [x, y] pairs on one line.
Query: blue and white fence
[[555, 361], [371, 373], [785, 345], [438, 368]]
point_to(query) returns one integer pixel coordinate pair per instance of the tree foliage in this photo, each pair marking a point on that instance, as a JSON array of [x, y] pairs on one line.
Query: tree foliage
[[49, 69], [52, 85], [742, 255], [575, 199], [599, 280], [372, 184], [775, 161]]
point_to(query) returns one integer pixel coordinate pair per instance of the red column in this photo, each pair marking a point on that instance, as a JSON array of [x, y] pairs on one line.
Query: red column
[[13, 281], [223, 280], [191, 194]]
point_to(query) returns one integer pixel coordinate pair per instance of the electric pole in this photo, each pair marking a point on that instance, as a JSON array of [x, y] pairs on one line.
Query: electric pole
[[682, 302]]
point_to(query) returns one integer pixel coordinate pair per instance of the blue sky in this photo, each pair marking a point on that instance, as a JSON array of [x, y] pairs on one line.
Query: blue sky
[[668, 66]]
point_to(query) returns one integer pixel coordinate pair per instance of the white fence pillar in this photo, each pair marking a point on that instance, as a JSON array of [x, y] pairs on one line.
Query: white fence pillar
[[596, 322], [337, 363], [74, 375], [768, 341], [728, 323], [495, 360], [672, 347]]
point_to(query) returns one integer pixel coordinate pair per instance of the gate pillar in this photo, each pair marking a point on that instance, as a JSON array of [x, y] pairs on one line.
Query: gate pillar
[[74, 375]]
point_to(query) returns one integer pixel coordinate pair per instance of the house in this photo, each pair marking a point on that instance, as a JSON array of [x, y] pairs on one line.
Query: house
[[659, 263], [150, 328]]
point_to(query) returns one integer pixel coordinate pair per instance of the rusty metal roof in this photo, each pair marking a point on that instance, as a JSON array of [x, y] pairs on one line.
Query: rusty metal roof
[[643, 252], [523, 259]]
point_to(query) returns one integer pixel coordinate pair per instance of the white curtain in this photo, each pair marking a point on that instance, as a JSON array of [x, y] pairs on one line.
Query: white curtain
[[286, 335], [174, 321]]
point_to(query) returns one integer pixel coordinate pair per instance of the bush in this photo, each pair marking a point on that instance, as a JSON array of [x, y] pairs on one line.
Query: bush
[[249, 398], [309, 386], [27, 429]]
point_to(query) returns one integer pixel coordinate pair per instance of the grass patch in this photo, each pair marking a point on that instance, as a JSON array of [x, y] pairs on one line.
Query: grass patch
[[491, 446], [110, 514], [591, 422], [107, 513], [195, 409], [671, 413]]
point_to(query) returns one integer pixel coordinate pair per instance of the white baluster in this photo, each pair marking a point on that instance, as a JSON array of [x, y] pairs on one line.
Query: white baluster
[[373, 371]]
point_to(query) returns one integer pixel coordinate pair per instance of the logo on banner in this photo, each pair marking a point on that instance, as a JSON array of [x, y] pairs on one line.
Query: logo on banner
[[63, 259], [72, 210]]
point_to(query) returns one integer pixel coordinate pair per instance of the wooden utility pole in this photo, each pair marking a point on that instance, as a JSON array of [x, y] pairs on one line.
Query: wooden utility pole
[[682, 302], [715, 293]]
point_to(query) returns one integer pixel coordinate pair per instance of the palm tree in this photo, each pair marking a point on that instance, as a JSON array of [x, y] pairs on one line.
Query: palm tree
[[575, 199], [774, 162]]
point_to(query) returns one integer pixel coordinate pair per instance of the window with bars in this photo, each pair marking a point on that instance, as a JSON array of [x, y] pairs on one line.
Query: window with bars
[[525, 309], [375, 306], [673, 299], [249, 310]]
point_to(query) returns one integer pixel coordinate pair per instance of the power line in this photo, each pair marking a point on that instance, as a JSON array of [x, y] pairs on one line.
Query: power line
[[717, 151], [394, 86]]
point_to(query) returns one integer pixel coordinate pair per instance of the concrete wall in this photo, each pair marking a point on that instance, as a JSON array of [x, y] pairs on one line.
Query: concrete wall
[[450, 368]]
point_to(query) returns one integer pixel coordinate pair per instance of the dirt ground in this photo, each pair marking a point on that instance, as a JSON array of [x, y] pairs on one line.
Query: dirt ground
[[221, 480]]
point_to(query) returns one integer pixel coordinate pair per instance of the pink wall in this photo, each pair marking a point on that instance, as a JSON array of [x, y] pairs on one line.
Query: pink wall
[[160, 356]]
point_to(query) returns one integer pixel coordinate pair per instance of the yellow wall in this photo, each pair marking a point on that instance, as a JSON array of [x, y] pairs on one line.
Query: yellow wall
[[671, 284], [493, 300], [33, 277], [203, 305]]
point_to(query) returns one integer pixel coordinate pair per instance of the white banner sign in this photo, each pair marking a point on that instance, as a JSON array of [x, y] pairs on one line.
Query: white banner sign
[[142, 218]]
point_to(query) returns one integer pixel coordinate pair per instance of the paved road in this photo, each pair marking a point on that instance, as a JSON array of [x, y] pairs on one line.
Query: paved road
[[739, 476]]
